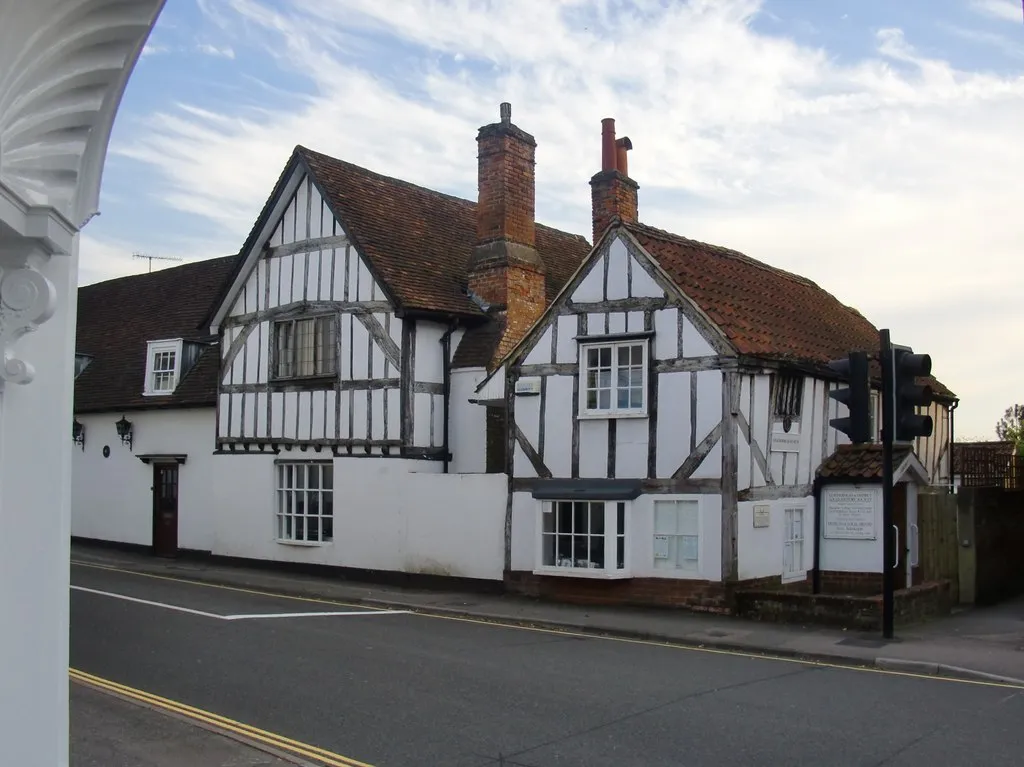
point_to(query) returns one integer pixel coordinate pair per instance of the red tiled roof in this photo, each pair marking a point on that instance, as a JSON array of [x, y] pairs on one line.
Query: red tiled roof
[[763, 311], [860, 461], [419, 241], [118, 317]]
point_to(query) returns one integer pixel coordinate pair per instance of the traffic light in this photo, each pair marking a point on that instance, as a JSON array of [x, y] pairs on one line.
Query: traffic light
[[909, 395], [857, 398]]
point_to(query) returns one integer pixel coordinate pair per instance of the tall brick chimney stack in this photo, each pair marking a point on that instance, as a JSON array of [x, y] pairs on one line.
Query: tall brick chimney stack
[[505, 269], [613, 193]]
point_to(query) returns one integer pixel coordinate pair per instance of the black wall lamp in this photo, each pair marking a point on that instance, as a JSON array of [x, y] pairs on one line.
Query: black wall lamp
[[124, 431], [78, 433]]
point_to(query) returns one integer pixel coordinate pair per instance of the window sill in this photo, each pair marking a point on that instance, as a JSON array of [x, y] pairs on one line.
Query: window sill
[[303, 544], [579, 572], [610, 416], [157, 393]]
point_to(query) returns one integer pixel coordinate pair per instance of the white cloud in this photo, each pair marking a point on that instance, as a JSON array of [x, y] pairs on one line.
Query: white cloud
[[1007, 10], [898, 172], [212, 50], [153, 49]]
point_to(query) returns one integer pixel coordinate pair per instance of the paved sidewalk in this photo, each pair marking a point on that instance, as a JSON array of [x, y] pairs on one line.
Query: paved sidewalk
[[109, 731], [984, 643]]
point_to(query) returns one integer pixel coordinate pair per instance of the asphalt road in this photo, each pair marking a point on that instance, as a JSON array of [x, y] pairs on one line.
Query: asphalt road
[[406, 689]]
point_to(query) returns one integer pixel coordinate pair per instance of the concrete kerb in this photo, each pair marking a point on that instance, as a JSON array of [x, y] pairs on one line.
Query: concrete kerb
[[310, 591]]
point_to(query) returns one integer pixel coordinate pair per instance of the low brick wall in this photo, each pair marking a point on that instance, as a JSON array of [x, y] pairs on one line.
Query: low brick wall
[[857, 584], [849, 611], [706, 596]]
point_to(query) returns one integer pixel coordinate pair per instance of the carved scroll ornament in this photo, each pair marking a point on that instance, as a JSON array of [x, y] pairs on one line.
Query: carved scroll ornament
[[27, 300]]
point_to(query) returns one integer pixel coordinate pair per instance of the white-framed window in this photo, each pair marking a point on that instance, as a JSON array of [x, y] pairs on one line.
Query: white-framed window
[[613, 378], [793, 566], [306, 347], [587, 538], [677, 535], [163, 366], [305, 502]]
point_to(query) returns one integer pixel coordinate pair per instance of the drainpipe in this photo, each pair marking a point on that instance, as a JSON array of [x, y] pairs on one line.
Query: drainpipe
[[952, 484], [816, 572], [446, 386]]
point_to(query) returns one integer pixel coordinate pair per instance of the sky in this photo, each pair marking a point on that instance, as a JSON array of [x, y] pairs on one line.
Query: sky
[[872, 146]]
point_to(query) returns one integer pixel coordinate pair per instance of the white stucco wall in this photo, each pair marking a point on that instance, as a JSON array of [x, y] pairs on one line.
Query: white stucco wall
[[640, 537], [760, 549], [467, 437], [112, 497], [389, 514], [385, 518]]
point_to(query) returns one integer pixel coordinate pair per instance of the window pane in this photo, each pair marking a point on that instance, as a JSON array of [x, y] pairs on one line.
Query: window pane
[[591, 399], [597, 519], [547, 546], [300, 502], [300, 529], [314, 478], [604, 379], [622, 400], [604, 399], [635, 378], [327, 474], [591, 379], [621, 518], [623, 356], [605, 356], [579, 518], [623, 377], [300, 477], [288, 529], [548, 521], [564, 516], [327, 524], [620, 553], [596, 555], [592, 357], [327, 501], [636, 398], [313, 529], [637, 354], [313, 503]]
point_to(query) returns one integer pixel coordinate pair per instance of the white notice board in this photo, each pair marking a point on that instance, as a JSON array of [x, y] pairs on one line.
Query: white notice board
[[850, 513]]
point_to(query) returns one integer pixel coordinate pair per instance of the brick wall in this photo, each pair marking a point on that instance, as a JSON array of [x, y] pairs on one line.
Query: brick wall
[[865, 584], [862, 613], [505, 178], [613, 195], [706, 596]]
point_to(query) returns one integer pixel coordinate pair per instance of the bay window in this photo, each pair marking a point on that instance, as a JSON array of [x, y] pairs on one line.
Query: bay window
[[583, 538]]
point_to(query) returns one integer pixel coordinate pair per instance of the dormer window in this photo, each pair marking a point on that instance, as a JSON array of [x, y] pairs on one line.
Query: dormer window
[[163, 366]]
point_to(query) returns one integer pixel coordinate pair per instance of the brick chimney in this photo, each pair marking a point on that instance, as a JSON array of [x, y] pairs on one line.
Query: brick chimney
[[613, 192], [505, 270]]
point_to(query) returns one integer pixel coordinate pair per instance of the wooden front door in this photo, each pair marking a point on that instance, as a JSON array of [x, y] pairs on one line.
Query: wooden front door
[[165, 509]]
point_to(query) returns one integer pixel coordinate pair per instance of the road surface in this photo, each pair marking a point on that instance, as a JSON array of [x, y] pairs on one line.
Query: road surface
[[390, 689]]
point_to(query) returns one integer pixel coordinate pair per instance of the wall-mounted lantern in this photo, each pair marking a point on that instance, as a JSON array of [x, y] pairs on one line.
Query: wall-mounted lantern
[[124, 431], [78, 433]]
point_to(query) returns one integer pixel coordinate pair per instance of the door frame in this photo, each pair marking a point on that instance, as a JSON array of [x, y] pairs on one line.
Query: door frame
[[158, 468]]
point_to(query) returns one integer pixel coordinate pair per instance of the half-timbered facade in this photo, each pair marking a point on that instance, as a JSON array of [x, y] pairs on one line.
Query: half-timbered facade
[[668, 415]]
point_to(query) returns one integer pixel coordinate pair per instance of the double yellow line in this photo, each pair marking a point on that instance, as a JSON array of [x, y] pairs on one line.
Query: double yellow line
[[322, 756]]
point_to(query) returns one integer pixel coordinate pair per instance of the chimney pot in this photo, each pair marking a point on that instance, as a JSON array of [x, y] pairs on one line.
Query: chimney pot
[[622, 146], [505, 110], [608, 143]]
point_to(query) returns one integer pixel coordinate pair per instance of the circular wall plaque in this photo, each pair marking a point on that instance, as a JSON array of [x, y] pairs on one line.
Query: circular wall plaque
[[106, 451]]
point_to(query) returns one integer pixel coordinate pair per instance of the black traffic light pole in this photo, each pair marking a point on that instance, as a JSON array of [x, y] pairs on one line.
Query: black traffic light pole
[[888, 429]]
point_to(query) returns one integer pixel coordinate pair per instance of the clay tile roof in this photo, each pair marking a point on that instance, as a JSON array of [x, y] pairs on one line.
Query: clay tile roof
[[860, 461], [479, 346], [763, 311], [118, 317], [419, 241]]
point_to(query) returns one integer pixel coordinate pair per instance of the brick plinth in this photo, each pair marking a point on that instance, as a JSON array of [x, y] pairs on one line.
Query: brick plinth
[[705, 596]]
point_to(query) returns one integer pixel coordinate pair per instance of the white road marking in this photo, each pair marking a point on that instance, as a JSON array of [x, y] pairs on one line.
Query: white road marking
[[147, 602], [314, 615], [238, 617]]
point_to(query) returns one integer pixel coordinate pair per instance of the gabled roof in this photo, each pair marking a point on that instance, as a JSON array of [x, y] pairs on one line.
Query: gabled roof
[[416, 241], [118, 317], [864, 462], [764, 311]]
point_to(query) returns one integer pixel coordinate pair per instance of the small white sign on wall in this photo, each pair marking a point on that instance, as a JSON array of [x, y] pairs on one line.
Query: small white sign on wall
[[785, 443], [661, 547], [850, 513], [762, 515]]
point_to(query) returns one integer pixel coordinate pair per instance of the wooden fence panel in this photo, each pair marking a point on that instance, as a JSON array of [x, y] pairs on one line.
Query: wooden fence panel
[[939, 548]]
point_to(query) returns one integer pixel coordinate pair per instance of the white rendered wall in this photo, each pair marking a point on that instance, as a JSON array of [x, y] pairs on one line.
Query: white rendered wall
[[760, 549], [112, 499], [467, 438]]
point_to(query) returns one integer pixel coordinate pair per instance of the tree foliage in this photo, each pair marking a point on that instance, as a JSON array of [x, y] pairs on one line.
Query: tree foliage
[[1011, 426]]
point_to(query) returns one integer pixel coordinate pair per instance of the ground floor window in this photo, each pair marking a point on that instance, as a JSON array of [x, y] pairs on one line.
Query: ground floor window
[[305, 502], [677, 535], [793, 546], [583, 535]]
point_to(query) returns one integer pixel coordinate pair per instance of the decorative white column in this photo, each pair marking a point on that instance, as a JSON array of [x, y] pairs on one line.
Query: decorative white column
[[37, 334], [64, 65]]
